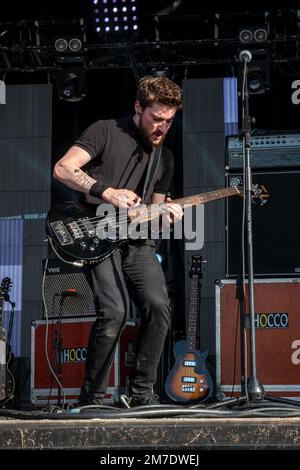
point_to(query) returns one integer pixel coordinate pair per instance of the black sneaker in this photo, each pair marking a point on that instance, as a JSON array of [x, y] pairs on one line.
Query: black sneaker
[[90, 401], [144, 400]]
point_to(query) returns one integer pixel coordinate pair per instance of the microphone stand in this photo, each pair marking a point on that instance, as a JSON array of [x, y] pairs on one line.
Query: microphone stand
[[254, 387], [254, 390], [58, 349]]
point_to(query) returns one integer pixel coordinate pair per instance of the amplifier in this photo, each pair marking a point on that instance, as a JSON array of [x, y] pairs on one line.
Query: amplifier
[[275, 220], [267, 151], [61, 278]]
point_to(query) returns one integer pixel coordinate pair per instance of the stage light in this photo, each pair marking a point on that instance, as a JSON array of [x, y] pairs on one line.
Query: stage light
[[258, 78], [114, 17], [71, 84], [260, 35], [68, 49], [252, 35], [159, 72], [75, 45], [61, 45], [256, 82], [245, 36]]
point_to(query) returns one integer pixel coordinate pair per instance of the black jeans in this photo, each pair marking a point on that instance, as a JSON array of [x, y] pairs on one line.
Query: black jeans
[[131, 270]]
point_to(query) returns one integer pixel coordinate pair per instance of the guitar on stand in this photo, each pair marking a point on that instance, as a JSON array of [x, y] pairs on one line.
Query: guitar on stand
[[189, 381], [7, 380], [2, 352]]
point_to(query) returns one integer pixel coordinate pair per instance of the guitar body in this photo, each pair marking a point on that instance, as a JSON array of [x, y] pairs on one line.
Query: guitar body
[[188, 381], [10, 383], [73, 229]]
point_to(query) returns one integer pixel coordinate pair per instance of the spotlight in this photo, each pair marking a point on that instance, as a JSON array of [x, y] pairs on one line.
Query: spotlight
[[75, 45], [253, 35], [258, 78], [68, 49], [61, 45], [256, 82], [260, 35], [159, 72], [71, 84], [245, 36]]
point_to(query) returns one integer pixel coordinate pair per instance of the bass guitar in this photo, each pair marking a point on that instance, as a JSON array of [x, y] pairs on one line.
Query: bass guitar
[[77, 233], [189, 381], [7, 380]]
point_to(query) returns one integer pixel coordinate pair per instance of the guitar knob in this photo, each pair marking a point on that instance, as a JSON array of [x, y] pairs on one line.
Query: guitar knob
[[201, 389], [82, 246], [96, 241]]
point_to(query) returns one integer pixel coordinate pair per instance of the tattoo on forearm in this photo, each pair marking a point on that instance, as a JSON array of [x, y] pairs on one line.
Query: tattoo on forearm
[[83, 179]]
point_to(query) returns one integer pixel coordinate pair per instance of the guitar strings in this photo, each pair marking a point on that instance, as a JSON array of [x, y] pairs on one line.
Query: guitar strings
[[113, 221], [94, 221], [101, 222], [147, 209]]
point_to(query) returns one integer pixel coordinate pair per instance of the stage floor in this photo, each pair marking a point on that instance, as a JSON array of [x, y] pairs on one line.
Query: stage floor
[[269, 425]]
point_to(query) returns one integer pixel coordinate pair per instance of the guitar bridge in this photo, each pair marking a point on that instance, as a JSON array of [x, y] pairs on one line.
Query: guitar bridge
[[188, 388]]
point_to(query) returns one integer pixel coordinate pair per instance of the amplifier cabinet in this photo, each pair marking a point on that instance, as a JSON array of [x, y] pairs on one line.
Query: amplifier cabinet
[[275, 218], [267, 151], [59, 278], [74, 335], [277, 335]]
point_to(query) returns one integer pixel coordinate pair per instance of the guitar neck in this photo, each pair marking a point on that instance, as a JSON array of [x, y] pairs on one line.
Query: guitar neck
[[154, 210], [193, 314], [206, 197], [1, 311]]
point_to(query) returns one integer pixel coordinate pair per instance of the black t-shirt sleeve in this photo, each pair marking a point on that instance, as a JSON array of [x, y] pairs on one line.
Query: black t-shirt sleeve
[[93, 139], [163, 184]]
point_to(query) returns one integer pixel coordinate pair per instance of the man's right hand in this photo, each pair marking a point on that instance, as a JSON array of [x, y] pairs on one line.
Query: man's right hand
[[121, 197]]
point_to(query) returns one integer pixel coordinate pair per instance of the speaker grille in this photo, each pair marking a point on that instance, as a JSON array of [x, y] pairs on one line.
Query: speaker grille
[[275, 221], [60, 278]]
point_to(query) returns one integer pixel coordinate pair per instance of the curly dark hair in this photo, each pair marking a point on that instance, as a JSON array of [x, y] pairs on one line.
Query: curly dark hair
[[158, 90]]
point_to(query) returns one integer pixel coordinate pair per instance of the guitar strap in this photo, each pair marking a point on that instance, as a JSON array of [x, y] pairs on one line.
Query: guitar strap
[[151, 174]]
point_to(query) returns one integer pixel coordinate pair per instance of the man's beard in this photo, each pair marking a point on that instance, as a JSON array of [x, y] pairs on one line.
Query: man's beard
[[144, 135]]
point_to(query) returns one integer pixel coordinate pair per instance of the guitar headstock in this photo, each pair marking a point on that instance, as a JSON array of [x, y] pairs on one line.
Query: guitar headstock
[[259, 193], [5, 287], [196, 266]]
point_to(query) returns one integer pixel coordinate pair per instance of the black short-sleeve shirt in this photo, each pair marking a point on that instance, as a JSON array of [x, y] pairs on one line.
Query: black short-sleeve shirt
[[119, 158]]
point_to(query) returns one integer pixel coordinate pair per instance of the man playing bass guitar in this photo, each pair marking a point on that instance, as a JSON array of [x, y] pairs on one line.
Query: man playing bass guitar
[[110, 162]]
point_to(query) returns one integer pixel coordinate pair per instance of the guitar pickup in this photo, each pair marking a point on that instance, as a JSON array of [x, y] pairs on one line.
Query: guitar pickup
[[186, 379], [61, 233], [189, 363]]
